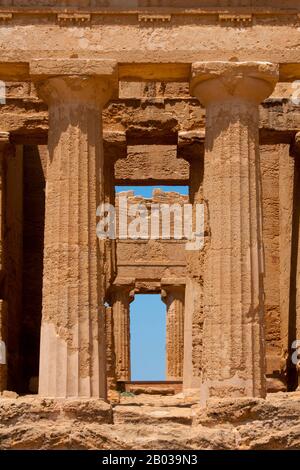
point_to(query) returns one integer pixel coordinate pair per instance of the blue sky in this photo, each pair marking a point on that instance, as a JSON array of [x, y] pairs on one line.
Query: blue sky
[[148, 337], [146, 191], [148, 318]]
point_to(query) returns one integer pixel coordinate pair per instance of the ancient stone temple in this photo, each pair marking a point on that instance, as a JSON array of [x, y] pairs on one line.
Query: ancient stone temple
[[96, 94]]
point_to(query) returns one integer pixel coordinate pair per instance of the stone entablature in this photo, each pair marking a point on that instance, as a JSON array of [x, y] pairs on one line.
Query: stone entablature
[[151, 61]]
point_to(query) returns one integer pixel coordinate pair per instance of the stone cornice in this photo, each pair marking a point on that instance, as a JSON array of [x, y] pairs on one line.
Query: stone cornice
[[157, 14]]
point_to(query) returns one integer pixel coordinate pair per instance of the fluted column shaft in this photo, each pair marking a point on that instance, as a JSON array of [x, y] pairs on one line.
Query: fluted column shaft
[[110, 351], [121, 327], [233, 332], [72, 354], [174, 299], [193, 308]]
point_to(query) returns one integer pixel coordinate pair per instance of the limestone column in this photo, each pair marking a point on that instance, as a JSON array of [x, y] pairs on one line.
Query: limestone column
[[110, 351], [121, 299], [233, 360], [174, 299], [193, 306], [193, 331], [72, 354]]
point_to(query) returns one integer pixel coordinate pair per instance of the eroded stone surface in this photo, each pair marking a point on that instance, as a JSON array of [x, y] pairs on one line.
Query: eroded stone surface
[[160, 423], [233, 291]]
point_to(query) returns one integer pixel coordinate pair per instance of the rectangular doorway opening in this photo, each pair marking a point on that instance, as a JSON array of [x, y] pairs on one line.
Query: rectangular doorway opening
[[148, 338]]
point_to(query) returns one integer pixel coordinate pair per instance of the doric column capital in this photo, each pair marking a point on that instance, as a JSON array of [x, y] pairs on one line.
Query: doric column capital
[[92, 91], [213, 82]]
